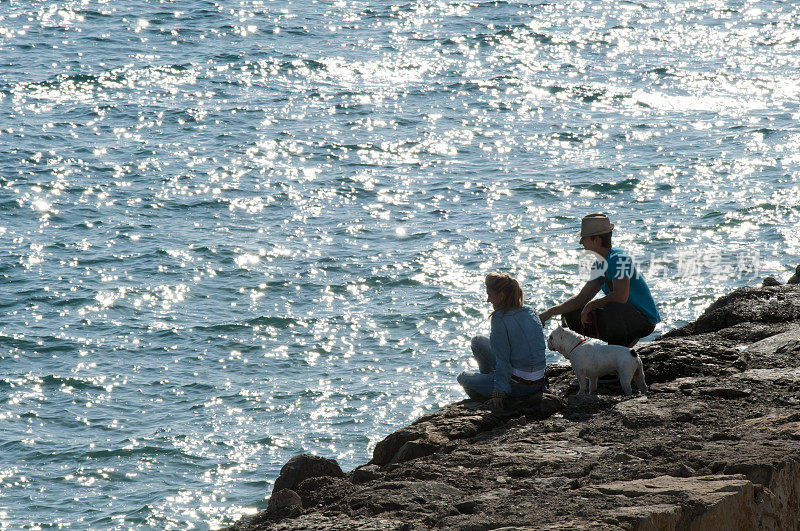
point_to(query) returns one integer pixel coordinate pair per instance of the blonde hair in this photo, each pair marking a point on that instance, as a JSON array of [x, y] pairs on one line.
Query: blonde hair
[[508, 288]]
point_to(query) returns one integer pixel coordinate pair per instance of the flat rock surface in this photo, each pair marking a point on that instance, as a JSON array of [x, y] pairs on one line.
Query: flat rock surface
[[714, 445]]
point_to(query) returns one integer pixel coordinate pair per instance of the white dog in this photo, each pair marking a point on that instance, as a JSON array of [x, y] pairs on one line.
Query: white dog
[[591, 358]]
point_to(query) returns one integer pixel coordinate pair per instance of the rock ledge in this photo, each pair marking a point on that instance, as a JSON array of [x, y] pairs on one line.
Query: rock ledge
[[714, 445]]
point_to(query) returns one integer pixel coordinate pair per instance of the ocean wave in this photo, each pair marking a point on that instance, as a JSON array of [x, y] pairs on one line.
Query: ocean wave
[[79, 384], [141, 451], [625, 185]]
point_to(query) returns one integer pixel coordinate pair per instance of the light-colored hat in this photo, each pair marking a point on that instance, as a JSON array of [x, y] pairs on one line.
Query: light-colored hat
[[595, 224]]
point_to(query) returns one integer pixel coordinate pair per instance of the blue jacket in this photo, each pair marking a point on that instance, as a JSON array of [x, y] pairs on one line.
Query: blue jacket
[[517, 341]]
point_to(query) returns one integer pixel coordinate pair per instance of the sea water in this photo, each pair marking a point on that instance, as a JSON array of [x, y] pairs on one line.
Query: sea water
[[235, 231]]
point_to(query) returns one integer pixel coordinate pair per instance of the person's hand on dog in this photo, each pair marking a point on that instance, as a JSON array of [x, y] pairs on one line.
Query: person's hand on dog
[[495, 403]]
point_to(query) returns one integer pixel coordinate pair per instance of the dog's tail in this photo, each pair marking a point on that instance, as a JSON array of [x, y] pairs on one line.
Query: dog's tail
[[634, 353]]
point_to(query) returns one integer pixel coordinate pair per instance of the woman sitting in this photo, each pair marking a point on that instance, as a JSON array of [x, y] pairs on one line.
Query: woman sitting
[[511, 360]]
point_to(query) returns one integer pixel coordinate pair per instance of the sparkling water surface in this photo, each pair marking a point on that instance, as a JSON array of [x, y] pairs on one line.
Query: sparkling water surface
[[234, 231]]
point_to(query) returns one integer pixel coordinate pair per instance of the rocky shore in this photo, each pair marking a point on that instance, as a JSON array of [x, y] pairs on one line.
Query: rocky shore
[[715, 444]]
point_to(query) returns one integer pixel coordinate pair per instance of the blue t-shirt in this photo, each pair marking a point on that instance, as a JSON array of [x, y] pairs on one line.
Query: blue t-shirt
[[621, 265]]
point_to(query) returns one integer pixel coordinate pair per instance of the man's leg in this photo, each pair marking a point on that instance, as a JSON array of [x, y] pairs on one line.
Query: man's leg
[[611, 324], [621, 324], [573, 322]]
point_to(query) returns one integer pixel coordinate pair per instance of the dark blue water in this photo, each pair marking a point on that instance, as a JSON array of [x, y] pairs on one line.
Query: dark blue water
[[236, 231]]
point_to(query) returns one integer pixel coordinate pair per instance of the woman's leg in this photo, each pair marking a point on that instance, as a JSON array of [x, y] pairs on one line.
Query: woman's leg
[[482, 351], [478, 386], [519, 390]]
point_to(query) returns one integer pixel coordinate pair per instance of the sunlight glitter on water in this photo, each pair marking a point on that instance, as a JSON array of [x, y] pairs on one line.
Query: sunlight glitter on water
[[263, 228]]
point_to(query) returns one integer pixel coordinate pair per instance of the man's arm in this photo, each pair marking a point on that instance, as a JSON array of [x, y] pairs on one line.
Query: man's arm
[[619, 293], [576, 302]]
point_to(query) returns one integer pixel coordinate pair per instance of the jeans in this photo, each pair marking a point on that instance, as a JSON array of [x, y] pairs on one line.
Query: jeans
[[616, 324], [479, 385]]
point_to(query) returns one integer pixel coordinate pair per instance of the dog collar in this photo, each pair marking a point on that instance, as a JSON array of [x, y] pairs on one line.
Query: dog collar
[[582, 341]]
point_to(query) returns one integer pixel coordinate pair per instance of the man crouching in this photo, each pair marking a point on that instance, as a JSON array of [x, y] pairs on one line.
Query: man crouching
[[627, 311]]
